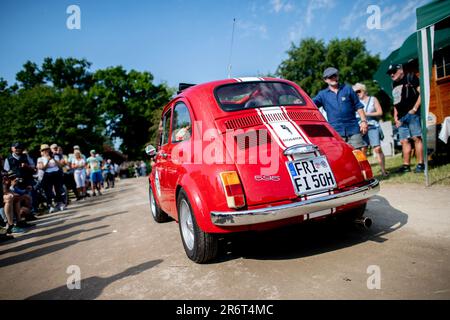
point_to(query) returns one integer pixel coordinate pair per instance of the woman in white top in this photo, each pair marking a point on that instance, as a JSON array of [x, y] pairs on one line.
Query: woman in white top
[[52, 179], [373, 111], [78, 164]]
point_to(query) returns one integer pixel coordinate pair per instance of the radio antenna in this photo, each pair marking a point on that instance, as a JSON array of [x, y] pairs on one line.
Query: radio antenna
[[231, 50]]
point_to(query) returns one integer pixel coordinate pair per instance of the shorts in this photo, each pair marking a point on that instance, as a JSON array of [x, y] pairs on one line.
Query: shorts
[[356, 141], [372, 137], [410, 127], [96, 177]]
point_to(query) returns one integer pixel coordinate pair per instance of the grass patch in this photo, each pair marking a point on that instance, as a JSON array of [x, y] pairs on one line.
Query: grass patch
[[438, 174]]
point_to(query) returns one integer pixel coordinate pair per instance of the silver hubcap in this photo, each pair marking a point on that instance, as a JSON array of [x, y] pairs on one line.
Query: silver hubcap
[[187, 227], [152, 203]]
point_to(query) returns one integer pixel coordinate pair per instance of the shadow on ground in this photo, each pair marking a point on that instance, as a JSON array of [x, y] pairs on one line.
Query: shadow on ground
[[92, 287], [312, 238]]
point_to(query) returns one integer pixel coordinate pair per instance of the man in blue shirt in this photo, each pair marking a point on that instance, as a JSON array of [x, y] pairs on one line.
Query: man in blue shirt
[[341, 104]]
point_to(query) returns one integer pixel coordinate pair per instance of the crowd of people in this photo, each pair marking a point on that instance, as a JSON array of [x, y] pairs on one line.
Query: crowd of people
[[30, 188], [355, 115]]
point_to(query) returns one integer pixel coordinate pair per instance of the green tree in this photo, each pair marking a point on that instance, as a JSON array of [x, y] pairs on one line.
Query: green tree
[[306, 62], [30, 76], [69, 72], [304, 65], [43, 114], [129, 102]]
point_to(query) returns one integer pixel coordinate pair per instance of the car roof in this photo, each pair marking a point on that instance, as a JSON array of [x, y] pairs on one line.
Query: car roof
[[204, 93]]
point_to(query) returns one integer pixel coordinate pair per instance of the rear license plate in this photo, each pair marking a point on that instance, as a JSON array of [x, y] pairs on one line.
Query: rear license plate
[[311, 175]]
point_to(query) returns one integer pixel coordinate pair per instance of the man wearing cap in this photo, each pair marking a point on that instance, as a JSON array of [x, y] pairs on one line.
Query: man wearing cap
[[20, 163], [406, 95], [341, 104], [23, 167]]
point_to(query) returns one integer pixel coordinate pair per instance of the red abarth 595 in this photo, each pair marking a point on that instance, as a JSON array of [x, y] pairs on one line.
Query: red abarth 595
[[251, 154]]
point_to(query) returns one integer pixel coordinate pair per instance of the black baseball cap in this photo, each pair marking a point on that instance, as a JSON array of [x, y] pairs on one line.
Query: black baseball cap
[[17, 145], [11, 175], [393, 68]]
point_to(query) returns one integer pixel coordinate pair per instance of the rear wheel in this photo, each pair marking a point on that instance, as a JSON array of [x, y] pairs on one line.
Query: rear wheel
[[200, 246], [157, 214]]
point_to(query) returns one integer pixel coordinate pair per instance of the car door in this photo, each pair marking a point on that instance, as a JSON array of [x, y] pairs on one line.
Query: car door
[[180, 140], [161, 161]]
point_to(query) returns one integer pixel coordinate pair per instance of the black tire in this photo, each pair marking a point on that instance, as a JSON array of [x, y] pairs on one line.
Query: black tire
[[157, 214], [202, 247]]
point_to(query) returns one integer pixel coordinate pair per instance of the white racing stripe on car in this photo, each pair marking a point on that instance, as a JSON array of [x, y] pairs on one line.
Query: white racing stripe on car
[[282, 127], [247, 79], [272, 132], [299, 130]]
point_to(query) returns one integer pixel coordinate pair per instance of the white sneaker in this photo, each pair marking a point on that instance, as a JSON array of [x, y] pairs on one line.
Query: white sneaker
[[53, 209]]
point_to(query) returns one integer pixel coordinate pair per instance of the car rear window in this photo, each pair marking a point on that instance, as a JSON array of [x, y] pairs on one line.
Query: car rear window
[[246, 95]]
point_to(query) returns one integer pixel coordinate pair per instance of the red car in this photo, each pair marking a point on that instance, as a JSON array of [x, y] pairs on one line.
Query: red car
[[251, 154]]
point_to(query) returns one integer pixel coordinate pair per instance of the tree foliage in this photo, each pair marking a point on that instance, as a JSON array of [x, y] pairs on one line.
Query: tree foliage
[[307, 61], [128, 101], [62, 102]]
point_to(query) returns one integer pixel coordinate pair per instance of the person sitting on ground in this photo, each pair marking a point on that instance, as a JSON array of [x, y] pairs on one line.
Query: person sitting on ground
[[23, 166], [14, 205]]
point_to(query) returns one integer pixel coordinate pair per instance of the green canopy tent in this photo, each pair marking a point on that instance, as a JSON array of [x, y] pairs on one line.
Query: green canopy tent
[[427, 17], [407, 53], [420, 45]]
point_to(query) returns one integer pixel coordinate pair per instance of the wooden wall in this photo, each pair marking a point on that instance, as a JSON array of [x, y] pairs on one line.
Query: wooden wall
[[439, 97]]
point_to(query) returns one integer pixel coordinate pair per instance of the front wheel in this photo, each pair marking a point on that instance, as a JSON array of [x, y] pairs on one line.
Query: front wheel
[[200, 247]]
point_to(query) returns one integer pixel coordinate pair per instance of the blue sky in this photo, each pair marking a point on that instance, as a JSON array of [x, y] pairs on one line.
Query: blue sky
[[189, 41]]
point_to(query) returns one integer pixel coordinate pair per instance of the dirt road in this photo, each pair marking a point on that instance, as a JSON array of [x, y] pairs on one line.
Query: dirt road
[[121, 253]]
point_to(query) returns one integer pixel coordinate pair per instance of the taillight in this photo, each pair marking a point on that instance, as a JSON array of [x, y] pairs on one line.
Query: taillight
[[233, 189], [366, 170]]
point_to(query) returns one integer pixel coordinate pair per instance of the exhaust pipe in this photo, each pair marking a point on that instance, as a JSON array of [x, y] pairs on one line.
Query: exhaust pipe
[[364, 222]]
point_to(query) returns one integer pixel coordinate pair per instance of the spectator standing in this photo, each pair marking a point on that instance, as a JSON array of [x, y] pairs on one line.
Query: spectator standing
[[406, 94], [373, 111], [78, 165], [340, 103], [52, 179], [143, 169], [108, 173], [94, 162]]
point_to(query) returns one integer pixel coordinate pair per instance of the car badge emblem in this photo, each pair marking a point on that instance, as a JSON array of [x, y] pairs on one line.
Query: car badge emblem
[[286, 128]]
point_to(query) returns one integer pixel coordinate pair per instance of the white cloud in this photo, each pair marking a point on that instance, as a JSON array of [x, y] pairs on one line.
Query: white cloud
[[281, 5], [392, 18], [249, 29], [358, 11], [314, 5]]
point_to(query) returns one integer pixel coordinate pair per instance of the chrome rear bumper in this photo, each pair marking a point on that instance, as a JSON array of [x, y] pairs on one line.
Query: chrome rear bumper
[[310, 206]]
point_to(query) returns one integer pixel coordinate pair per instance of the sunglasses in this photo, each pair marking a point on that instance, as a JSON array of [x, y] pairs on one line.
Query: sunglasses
[[332, 76], [358, 91]]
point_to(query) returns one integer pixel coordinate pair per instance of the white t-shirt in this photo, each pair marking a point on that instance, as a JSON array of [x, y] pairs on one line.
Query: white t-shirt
[[51, 167], [78, 162]]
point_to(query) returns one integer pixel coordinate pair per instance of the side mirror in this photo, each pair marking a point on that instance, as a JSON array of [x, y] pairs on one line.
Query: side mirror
[[150, 150]]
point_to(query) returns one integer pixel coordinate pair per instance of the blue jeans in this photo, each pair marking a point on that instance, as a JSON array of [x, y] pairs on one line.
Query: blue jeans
[[372, 137], [410, 126]]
